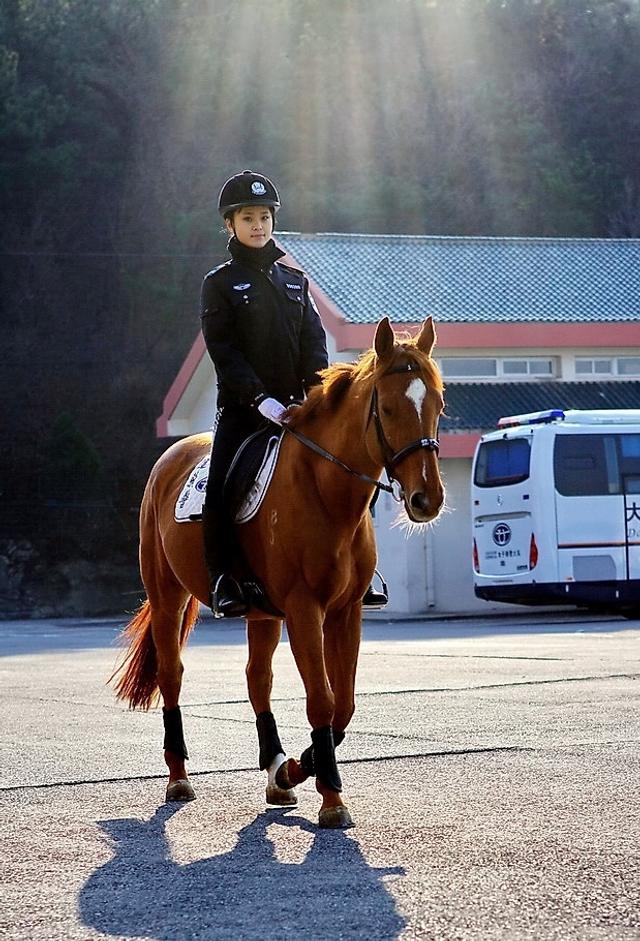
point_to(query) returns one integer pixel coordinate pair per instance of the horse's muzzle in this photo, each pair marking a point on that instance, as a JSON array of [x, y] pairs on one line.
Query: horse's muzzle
[[421, 508]]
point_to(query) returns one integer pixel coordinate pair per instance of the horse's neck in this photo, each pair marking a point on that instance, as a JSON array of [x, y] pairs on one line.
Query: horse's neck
[[342, 432]]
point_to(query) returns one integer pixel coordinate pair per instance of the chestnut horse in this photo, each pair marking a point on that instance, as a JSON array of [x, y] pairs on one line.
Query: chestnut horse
[[311, 545]]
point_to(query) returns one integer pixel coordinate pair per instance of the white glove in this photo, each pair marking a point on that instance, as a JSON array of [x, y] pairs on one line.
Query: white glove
[[272, 409]]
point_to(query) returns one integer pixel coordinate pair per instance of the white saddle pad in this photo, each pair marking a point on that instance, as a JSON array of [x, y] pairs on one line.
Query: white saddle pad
[[189, 504]]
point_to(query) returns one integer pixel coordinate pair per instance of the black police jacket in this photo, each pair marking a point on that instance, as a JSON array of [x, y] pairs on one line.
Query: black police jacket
[[261, 327]]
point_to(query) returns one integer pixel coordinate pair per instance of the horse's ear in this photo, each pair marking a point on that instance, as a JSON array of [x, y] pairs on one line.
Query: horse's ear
[[426, 339], [384, 340]]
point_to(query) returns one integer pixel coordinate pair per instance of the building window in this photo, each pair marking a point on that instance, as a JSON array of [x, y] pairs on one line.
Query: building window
[[594, 367], [485, 367], [527, 367], [467, 367], [610, 366], [629, 365]]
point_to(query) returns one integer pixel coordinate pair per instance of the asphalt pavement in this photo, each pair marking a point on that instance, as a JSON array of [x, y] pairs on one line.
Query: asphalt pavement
[[492, 770]]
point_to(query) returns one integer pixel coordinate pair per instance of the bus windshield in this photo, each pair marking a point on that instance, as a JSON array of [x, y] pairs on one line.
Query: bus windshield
[[504, 462]]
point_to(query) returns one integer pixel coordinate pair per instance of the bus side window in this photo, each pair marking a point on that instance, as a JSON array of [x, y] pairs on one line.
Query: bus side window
[[630, 462], [501, 463], [585, 465]]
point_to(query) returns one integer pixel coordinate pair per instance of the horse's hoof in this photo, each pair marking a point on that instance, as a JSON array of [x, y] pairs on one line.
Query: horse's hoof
[[282, 797], [335, 818], [180, 790]]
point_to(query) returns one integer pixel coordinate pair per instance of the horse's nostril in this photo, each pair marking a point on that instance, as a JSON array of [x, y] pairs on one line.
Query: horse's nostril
[[418, 501]]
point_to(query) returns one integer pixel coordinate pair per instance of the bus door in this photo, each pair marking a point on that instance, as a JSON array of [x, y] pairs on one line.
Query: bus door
[[629, 458], [590, 508]]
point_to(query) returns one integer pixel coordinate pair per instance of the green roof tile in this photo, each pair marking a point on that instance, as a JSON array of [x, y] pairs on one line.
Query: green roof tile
[[475, 280]]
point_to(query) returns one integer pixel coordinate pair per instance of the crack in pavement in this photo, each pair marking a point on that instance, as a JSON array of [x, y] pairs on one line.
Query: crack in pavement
[[432, 689], [194, 774], [458, 656], [359, 695], [451, 752]]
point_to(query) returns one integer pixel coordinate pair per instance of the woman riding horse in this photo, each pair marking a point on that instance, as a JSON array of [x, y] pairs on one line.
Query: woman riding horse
[[267, 343], [312, 546]]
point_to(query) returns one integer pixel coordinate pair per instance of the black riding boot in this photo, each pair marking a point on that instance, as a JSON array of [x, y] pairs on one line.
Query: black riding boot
[[226, 597], [373, 598]]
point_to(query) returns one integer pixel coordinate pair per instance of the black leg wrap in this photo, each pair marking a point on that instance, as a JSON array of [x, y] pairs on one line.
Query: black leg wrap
[[324, 758], [306, 758], [268, 739], [306, 762], [173, 734]]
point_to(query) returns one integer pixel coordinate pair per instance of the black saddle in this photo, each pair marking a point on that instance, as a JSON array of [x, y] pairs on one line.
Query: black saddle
[[246, 466]]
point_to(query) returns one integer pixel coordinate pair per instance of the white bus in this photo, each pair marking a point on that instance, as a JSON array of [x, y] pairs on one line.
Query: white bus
[[556, 510]]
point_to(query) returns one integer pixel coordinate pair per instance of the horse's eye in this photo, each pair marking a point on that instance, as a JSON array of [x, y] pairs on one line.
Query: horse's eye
[[387, 411]]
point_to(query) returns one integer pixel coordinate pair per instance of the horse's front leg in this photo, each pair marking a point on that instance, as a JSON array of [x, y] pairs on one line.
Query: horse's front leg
[[263, 637], [304, 626], [342, 634]]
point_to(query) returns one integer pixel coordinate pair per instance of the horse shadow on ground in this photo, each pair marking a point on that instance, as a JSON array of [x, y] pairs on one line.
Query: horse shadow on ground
[[246, 893]]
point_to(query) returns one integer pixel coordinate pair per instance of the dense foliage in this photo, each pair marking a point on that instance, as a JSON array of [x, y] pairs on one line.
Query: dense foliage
[[119, 119]]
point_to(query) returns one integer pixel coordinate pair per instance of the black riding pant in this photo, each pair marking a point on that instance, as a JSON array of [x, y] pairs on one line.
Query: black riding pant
[[235, 424]]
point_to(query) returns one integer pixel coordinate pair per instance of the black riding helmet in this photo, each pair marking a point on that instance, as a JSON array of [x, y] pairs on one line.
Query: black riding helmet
[[247, 189]]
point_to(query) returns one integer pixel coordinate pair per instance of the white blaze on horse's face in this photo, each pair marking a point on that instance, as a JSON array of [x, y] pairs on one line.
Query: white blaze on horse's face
[[416, 391]]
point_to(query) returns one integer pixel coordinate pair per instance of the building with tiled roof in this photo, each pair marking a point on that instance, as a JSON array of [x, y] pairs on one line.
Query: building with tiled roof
[[473, 280], [523, 324]]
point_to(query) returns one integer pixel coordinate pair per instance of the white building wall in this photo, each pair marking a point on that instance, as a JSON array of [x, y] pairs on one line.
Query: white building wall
[[430, 570], [401, 560], [452, 559]]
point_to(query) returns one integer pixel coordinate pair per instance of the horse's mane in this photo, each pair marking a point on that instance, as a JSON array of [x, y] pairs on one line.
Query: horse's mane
[[338, 378]]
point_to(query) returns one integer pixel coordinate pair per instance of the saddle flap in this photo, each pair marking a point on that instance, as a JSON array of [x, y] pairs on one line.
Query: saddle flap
[[250, 473]]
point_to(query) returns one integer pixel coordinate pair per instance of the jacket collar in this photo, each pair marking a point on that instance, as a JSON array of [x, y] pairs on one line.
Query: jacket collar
[[261, 258]]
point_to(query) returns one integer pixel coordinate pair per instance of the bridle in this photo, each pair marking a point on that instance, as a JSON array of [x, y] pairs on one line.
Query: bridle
[[390, 458]]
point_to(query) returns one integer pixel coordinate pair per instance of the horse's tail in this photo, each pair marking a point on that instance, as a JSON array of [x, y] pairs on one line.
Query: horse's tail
[[137, 680]]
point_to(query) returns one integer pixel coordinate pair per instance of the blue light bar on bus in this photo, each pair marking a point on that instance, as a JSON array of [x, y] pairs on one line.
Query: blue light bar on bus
[[532, 418]]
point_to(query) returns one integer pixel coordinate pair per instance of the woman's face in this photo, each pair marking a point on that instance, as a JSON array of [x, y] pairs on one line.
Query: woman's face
[[251, 225]]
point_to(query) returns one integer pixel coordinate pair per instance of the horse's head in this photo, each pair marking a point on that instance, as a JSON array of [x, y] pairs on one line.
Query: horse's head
[[403, 424]]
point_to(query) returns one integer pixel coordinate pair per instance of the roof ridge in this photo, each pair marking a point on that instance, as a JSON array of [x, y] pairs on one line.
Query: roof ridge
[[458, 238]]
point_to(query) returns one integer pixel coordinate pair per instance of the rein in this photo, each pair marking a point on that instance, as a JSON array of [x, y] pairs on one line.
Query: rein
[[390, 459], [335, 460]]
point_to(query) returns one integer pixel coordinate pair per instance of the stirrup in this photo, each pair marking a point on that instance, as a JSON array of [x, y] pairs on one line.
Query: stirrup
[[373, 598], [227, 598]]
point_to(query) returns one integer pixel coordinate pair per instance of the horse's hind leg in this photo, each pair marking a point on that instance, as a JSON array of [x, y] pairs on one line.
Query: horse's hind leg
[[172, 613], [264, 636]]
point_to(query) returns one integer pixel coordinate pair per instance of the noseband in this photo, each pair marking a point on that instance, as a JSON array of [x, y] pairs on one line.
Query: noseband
[[390, 459]]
